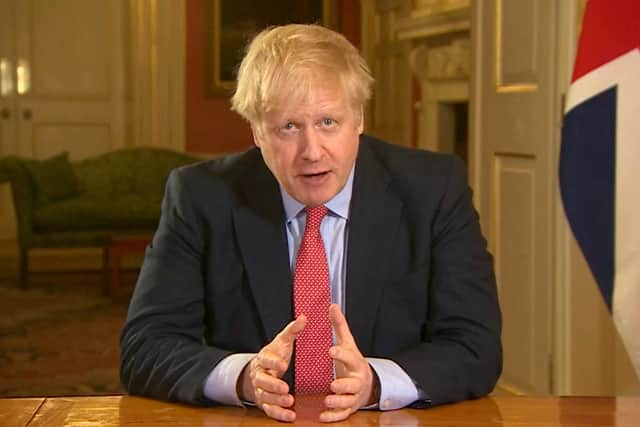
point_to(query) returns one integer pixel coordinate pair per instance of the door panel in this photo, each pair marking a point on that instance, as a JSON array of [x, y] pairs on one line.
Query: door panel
[[49, 140], [68, 43], [514, 226], [516, 43]]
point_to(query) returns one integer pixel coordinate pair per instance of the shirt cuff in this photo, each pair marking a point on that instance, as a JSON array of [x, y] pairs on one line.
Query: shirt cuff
[[397, 389], [221, 384]]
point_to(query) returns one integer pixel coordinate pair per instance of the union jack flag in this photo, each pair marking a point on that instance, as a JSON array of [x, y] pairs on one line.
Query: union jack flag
[[600, 159]]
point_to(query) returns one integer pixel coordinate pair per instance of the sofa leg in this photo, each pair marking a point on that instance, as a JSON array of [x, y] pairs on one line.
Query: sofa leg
[[24, 269]]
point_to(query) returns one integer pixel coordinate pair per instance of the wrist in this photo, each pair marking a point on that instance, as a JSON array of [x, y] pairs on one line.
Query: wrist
[[244, 389], [374, 395]]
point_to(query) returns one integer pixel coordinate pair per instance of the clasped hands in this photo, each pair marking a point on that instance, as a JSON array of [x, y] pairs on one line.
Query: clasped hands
[[356, 384]]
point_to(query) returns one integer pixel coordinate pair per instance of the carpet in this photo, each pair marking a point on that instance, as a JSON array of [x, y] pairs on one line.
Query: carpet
[[60, 338]]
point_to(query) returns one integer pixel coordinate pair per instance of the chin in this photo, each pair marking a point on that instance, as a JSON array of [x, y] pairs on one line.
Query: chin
[[314, 200], [315, 196]]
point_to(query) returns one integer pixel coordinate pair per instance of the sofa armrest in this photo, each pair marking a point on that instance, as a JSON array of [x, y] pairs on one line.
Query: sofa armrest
[[13, 170]]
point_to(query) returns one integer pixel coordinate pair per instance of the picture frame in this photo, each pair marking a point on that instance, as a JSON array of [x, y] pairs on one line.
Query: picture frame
[[230, 25]]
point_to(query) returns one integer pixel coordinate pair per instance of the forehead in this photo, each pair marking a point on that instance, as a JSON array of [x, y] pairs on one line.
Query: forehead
[[314, 100]]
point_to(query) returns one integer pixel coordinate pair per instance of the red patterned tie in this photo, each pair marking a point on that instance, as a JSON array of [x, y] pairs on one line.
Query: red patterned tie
[[311, 297]]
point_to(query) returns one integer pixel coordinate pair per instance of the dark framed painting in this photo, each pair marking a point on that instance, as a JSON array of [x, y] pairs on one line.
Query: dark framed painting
[[231, 24]]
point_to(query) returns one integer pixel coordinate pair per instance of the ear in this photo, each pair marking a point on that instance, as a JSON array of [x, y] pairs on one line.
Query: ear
[[361, 124], [255, 132]]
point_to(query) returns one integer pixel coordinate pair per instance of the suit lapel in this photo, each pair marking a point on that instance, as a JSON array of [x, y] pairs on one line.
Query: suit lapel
[[260, 228], [373, 219]]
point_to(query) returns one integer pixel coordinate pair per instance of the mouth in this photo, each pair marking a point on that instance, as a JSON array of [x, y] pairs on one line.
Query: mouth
[[315, 174], [314, 177]]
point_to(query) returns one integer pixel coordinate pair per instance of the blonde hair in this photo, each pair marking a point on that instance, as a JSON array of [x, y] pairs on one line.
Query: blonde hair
[[282, 63]]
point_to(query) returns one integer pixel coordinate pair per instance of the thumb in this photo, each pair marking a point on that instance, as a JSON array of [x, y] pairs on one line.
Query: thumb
[[290, 332], [340, 326]]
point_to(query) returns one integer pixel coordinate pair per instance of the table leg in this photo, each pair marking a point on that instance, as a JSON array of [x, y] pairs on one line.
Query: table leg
[[106, 272]]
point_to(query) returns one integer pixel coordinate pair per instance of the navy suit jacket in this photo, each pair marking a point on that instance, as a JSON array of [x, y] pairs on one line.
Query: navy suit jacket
[[216, 280]]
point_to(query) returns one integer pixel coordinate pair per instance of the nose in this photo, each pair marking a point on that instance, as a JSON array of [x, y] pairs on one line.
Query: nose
[[312, 148]]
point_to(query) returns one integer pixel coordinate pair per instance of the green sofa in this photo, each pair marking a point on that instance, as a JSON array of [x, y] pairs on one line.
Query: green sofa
[[64, 204]]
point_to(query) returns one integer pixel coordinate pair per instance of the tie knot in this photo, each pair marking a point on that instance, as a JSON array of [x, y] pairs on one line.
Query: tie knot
[[314, 216]]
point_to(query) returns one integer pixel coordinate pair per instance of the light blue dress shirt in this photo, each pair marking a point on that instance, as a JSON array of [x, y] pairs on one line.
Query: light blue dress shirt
[[397, 390]]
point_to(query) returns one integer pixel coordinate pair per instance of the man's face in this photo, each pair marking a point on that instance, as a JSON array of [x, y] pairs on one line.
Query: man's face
[[310, 147]]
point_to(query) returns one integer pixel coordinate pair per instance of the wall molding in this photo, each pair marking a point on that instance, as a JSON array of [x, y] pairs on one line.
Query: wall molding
[[157, 73]]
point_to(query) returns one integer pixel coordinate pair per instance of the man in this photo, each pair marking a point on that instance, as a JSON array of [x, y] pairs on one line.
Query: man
[[387, 235]]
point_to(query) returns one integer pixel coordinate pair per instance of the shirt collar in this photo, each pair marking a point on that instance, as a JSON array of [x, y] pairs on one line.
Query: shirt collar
[[338, 205]]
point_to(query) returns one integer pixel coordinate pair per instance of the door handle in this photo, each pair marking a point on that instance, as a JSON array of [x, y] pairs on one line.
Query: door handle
[[5, 113], [27, 114]]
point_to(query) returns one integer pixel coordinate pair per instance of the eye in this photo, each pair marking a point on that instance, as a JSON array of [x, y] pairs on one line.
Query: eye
[[327, 121], [288, 127]]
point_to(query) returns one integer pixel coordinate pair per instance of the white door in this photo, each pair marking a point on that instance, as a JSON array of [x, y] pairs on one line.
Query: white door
[[63, 80], [7, 78], [8, 140], [69, 53], [513, 128]]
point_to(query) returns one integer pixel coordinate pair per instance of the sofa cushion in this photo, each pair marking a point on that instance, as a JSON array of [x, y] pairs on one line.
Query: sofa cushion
[[53, 178], [122, 213]]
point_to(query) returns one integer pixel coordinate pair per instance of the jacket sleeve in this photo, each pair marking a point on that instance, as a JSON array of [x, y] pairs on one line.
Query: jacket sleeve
[[460, 356], [163, 354]]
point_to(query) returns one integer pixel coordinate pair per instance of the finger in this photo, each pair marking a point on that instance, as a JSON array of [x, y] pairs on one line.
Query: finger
[[290, 332], [277, 399], [269, 383], [334, 415], [340, 401], [351, 358], [279, 413], [346, 386], [271, 362], [340, 326]]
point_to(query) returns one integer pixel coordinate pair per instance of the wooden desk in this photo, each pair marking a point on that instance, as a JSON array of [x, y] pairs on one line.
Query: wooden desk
[[487, 412], [18, 412]]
